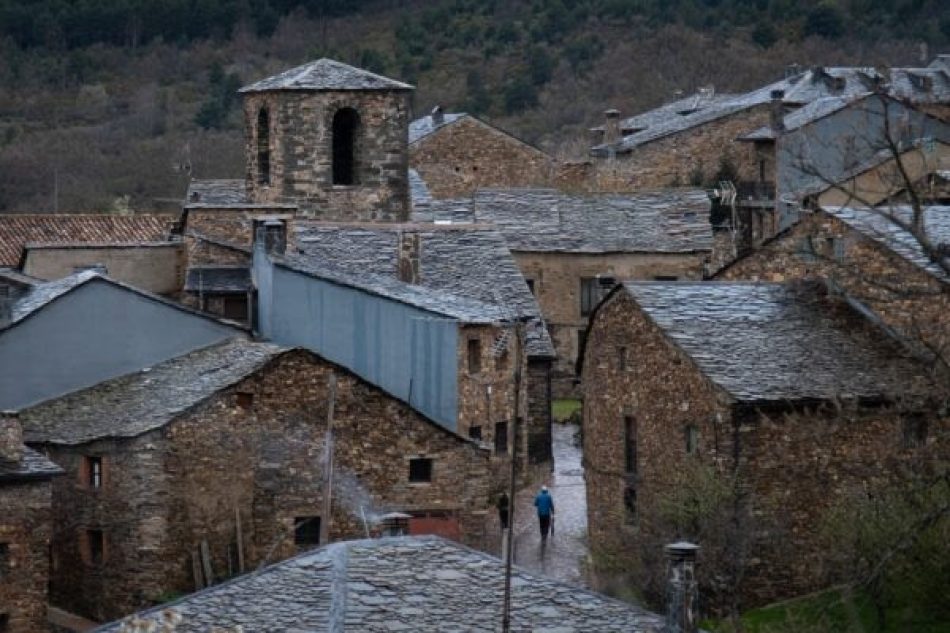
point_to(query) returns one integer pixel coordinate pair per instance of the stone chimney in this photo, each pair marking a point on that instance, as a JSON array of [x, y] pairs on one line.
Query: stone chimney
[[11, 437], [681, 588], [271, 234], [777, 111], [612, 127], [410, 251], [437, 115]]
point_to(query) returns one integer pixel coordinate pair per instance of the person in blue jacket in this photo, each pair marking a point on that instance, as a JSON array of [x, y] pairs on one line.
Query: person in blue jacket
[[544, 502]]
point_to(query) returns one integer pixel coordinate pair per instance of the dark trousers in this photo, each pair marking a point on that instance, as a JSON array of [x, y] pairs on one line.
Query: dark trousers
[[545, 521]]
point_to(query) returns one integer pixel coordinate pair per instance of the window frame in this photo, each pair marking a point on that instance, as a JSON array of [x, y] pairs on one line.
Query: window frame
[[473, 355], [631, 449]]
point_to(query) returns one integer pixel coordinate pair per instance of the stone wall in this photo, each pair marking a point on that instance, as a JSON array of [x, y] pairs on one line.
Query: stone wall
[[301, 157], [468, 154], [657, 386], [677, 159], [137, 568], [793, 464], [25, 529], [903, 295], [233, 225], [157, 268], [556, 278], [253, 454]]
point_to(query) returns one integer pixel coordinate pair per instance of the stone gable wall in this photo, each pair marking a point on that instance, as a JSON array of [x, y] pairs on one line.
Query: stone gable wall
[[556, 278], [131, 510], [466, 155], [259, 456], [673, 160], [26, 528], [301, 158], [904, 296], [663, 391], [233, 225]]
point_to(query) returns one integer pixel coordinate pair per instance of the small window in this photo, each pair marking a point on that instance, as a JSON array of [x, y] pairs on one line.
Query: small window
[[4, 558], [474, 355], [95, 547], [530, 283], [622, 359], [245, 400], [307, 531], [665, 278], [692, 439], [835, 248], [93, 472], [263, 147], [420, 470], [914, 430], [475, 432], [630, 504], [501, 438], [590, 294], [4, 622], [235, 307], [630, 444]]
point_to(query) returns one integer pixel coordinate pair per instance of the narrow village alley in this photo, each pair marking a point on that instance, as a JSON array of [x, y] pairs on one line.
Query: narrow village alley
[[564, 555]]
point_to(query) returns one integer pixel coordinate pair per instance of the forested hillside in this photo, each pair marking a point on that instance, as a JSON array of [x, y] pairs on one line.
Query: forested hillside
[[113, 104]]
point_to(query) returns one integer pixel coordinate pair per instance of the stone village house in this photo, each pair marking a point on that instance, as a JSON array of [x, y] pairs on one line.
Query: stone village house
[[25, 530], [793, 392], [871, 262], [430, 313], [213, 463], [456, 153], [682, 142], [571, 248]]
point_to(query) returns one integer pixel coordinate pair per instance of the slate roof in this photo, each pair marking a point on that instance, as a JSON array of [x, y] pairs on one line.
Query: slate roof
[[32, 465], [875, 225], [422, 127], [465, 271], [218, 279], [399, 584], [13, 275], [16, 230], [545, 220], [139, 402], [218, 191], [764, 342], [326, 74], [43, 293], [921, 85], [680, 107]]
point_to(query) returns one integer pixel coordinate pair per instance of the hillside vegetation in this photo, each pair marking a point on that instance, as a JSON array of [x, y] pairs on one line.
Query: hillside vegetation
[[108, 105]]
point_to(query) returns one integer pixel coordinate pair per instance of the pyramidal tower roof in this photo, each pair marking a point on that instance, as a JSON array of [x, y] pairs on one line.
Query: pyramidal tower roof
[[326, 74]]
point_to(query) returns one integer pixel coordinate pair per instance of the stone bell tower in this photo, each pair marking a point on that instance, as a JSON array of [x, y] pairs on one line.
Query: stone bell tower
[[332, 139]]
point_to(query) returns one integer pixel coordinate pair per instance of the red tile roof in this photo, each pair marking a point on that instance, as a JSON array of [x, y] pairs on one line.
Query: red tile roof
[[18, 230]]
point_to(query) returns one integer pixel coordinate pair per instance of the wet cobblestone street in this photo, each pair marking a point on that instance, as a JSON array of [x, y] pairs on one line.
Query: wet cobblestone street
[[563, 556]]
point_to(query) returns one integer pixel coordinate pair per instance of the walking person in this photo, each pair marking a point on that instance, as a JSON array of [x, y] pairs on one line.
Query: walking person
[[502, 506], [544, 502]]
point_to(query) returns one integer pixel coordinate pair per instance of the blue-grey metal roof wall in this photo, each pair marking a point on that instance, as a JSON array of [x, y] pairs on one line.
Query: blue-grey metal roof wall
[[408, 352]]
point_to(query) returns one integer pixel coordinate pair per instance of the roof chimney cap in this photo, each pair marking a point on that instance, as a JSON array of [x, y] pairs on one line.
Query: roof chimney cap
[[437, 115], [612, 113]]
